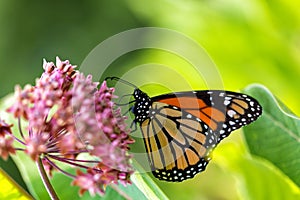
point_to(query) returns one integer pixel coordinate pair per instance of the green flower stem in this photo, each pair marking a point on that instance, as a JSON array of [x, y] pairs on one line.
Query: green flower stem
[[46, 180]]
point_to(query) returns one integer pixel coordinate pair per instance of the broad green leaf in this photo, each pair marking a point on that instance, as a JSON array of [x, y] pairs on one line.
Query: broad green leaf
[[10, 190], [275, 136], [11, 169], [255, 178]]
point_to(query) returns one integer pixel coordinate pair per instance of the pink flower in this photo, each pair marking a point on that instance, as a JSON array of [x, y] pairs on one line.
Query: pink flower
[[36, 145], [6, 141], [68, 115], [90, 181], [6, 147], [4, 128]]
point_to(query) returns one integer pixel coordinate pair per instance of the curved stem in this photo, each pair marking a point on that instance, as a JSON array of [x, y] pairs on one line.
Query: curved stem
[[59, 169], [20, 127], [46, 180]]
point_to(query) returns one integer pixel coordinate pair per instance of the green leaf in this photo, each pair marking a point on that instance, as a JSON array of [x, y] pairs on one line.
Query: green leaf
[[255, 178], [11, 169], [275, 136], [10, 190]]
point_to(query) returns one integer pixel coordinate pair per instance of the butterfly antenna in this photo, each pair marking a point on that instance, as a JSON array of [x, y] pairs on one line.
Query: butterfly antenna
[[120, 80]]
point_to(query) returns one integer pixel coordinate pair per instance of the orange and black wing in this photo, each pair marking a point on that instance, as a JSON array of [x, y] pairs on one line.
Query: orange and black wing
[[178, 144], [222, 111], [181, 129]]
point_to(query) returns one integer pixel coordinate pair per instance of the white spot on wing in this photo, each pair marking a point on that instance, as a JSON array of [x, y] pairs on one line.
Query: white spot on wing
[[226, 102], [231, 123], [231, 113]]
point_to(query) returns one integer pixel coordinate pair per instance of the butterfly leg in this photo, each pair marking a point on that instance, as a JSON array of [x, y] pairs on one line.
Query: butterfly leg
[[135, 127], [130, 109]]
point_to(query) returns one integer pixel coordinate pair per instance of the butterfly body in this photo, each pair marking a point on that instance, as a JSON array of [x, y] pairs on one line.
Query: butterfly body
[[181, 129]]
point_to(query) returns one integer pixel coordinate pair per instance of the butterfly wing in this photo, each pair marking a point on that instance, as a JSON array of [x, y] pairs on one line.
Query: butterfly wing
[[181, 129], [222, 111], [178, 145]]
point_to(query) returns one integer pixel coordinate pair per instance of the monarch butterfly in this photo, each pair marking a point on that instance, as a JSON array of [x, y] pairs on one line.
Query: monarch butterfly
[[181, 129]]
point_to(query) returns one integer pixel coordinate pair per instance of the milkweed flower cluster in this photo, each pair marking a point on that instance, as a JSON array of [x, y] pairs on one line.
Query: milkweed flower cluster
[[70, 120]]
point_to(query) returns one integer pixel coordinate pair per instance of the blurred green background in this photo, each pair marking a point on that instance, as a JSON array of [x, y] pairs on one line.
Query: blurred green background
[[250, 41]]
